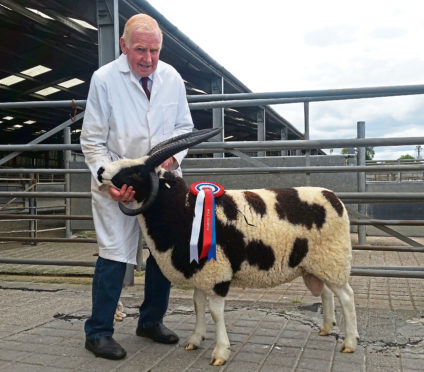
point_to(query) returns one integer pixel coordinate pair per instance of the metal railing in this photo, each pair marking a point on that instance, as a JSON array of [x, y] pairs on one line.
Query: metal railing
[[236, 148]]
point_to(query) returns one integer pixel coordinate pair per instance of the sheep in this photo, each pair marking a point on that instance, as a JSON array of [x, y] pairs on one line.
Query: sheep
[[265, 237]]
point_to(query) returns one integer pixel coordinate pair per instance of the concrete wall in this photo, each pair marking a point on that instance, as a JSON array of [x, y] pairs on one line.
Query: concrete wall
[[80, 182], [408, 211], [333, 181]]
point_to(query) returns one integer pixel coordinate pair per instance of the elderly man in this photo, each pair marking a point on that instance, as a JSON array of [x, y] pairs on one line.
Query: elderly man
[[133, 103]]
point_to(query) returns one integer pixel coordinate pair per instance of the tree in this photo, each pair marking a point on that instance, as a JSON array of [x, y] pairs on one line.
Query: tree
[[369, 152], [406, 157]]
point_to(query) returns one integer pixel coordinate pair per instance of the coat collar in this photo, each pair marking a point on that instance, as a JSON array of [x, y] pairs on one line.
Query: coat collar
[[124, 67]]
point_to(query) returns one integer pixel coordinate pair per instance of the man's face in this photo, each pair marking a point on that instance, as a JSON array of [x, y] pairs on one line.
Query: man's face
[[142, 52]]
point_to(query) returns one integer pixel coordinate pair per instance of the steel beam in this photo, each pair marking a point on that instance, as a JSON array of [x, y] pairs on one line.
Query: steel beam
[[108, 30]]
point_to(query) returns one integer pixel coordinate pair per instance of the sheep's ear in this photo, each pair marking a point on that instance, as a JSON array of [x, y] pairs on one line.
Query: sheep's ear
[[176, 144]]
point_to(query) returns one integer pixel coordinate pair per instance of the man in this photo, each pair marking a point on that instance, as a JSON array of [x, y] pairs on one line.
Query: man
[[134, 103]]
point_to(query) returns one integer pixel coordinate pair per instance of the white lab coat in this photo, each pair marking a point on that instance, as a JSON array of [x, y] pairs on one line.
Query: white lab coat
[[120, 122]]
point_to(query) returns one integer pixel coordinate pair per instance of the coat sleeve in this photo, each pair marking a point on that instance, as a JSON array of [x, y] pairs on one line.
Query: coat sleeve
[[184, 122], [95, 128]]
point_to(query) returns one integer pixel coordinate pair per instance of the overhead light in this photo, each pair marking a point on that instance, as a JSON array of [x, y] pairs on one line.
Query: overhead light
[[29, 122], [39, 132], [47, 91], [4, 6], [37, 70], [71, 83], [227, 138], [76, 131], [10, 80], [41, 14], [18, 126], [1, 121], [83, 23], [8, 118]]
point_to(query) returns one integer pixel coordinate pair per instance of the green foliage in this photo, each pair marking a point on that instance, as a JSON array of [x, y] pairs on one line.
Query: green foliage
[[369, 152], [406, 156]]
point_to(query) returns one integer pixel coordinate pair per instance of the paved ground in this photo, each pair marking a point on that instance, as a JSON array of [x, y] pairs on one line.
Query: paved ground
[[270, 330]]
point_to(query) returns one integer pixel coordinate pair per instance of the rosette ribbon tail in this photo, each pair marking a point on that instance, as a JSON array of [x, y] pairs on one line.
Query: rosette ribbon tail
[[207, 222], [212, 249], [195, 229]]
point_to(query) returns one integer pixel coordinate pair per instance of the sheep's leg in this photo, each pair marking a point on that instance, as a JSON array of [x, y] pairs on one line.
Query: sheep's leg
[[345, 295], [329, 320], [314, 284], [317, 287], [221, 352], [199, 299]]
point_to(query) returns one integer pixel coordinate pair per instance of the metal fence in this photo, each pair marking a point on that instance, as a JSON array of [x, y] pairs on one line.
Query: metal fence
[[360, 197]]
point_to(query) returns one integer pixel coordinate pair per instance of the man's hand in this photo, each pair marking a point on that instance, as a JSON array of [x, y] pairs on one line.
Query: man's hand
[[123, 195]]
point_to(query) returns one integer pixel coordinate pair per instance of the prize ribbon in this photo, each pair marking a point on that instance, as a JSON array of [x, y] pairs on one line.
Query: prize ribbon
[[205, 201]]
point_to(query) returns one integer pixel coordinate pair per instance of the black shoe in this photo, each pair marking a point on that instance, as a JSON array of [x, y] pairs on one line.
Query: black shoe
[[105, 347], [158, 333]]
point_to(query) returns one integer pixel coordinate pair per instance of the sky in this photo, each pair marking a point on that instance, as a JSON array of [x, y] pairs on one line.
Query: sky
[[286, 45]]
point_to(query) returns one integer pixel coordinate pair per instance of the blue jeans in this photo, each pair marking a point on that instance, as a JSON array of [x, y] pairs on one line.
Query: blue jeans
[[107, 286]]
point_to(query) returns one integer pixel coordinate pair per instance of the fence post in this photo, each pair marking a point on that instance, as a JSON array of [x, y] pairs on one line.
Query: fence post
[[217, 87], [66, 161], [284, 136], [362, 237], [32, 208], [307, 152], [261, 135]]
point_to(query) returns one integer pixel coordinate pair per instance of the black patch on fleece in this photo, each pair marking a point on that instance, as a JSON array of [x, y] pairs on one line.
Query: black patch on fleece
[[260, 255], [169, 222], [299, 252], [334, 201], [256, 202], [228, 205], [289, 207], [232, 243], [221, 289]]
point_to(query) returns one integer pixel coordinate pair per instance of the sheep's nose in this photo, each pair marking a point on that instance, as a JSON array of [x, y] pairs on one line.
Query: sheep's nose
[[99, 174]]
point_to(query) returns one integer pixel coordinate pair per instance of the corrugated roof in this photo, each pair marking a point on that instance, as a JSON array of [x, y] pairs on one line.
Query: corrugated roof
[[50, 52]]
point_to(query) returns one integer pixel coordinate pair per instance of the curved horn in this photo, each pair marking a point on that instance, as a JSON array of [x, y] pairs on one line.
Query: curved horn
[[154, 186], [176, 146], [162, 144]]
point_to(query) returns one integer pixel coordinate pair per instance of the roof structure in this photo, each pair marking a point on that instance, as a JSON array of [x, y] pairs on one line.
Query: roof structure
[[50, 50]]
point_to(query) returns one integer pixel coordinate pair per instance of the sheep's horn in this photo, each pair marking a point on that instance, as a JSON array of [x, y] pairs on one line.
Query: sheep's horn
[[174, 139], [174, 146], [154, 186]]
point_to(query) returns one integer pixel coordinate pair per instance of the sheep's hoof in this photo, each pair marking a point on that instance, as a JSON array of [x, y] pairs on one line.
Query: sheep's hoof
[[190, 347], [345, 349], [217, 362], [324, 332]]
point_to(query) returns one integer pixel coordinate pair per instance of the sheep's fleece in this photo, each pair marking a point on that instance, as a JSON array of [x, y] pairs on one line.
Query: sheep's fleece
[[265, 237]]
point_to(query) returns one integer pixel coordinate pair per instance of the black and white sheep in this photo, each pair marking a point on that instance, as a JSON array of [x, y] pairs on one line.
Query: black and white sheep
[[265, 237]]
